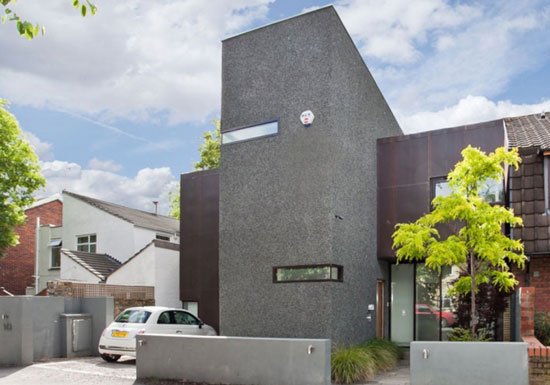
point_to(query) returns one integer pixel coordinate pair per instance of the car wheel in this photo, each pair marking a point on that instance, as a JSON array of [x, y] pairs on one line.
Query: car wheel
[[444, 323], [110, 357]]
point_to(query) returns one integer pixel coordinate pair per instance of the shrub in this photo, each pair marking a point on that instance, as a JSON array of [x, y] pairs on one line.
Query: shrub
[[542, 327], [359, 363], [460, 334]]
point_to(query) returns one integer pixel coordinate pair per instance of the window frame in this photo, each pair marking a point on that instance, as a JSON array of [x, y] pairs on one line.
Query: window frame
[[340, 277], [52, 266], [249, 126], [89, 243]]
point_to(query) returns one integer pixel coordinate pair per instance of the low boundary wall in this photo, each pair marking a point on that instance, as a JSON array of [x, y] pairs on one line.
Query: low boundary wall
[[459, 363], [234, 360]]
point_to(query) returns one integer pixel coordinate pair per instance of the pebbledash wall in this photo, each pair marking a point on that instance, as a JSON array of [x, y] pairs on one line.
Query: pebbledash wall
[[306, 195], [17, 268]]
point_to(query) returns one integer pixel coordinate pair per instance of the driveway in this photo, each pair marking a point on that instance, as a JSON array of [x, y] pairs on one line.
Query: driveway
[[88, 370]]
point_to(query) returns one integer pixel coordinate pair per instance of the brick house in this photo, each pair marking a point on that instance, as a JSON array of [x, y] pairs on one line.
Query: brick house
[[17, 267], [529, 196]]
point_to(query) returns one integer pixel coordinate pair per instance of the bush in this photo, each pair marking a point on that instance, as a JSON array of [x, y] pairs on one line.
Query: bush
[[359, 363], [465, 335], [542, 327]]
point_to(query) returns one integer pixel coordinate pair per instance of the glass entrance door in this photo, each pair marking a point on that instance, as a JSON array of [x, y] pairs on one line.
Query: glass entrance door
[[421, 309]]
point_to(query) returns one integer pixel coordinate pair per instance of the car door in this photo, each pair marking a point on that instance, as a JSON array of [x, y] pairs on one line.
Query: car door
[[186, 323]]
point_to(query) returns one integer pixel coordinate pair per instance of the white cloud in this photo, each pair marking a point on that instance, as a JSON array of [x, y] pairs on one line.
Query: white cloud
[[42, 149], [471, 109], [392, 30], [131, 60], [148, 185], [105, 165]]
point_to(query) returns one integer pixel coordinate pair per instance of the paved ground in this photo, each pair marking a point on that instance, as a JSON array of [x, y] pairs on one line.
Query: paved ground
[[85, 371], [95, 371], [397, 376]]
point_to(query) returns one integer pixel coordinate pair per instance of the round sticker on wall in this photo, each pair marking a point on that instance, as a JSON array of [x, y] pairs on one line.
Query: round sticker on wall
[[307, 118]]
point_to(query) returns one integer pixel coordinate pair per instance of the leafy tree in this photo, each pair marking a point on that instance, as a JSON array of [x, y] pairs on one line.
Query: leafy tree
[[479, 248], [19, 177], [210, 159], [30, 31]]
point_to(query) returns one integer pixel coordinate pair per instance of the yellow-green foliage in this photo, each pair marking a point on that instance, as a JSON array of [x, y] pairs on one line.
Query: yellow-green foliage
[[359, 363], [482, 223], [19, 177]]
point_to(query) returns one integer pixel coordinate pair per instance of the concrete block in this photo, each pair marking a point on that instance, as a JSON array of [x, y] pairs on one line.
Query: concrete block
[[475, 363], [234, 360]]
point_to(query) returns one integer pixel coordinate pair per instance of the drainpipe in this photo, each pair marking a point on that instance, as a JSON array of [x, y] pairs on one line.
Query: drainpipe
[[36, 248]]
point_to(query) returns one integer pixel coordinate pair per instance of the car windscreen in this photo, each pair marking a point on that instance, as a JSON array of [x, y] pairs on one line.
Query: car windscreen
[[133, 316]]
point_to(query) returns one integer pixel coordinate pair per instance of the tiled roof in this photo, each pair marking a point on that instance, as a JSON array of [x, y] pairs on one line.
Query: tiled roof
[[529, 131], [100, 265], [137, 217]]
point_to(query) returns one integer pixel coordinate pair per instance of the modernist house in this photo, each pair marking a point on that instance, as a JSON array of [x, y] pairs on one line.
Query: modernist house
[[99, 239], [291, 237], [17, 268]]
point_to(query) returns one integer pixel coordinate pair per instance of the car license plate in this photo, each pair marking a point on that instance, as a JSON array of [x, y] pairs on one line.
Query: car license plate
[[118, 333]]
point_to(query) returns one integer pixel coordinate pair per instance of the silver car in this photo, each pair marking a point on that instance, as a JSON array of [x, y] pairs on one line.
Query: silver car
[[119, 338]]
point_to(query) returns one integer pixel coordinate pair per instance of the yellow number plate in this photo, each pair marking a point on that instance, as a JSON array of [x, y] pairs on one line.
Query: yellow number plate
[[117, 333]]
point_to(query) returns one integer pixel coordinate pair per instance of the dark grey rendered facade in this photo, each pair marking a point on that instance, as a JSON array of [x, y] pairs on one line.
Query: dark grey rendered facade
[[306, 195]]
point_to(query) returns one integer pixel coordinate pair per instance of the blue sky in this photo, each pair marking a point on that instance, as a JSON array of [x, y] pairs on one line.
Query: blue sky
[[115, 104]]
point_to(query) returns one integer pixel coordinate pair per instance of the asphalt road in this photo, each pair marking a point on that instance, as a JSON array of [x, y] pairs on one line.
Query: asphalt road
[[85, 371]]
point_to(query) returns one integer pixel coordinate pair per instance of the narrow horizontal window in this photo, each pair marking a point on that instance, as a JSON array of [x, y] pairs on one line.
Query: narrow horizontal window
[[252, 132], [312, 273]]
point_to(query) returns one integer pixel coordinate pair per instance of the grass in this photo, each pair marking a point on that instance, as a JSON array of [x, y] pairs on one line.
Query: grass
[[360, 362]]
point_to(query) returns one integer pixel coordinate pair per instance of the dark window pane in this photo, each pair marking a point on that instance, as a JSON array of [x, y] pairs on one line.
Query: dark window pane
[[308, 273], [164, 318], [82, 239], [92, 238], [56, 257], [183, 318], [92, 248], [82, 248]]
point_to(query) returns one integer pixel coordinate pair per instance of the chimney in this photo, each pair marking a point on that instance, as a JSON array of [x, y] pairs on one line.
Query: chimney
[[543, 115], [156, 203]]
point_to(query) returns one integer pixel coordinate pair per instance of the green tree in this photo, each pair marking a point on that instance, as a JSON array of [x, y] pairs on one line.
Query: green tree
[[210, 159], [19, 177], [30, 31], [479, 248]]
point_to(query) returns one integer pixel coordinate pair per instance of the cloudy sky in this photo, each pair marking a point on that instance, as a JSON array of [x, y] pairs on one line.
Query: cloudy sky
[[115, 104]]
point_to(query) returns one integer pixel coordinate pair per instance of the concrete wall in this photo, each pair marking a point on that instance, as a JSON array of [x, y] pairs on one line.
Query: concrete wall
[[30, 326], [16, 332], [102, 311], [281, 197], [73, 271], [115, 236], [233, 360], [458, 363], [45, 271]]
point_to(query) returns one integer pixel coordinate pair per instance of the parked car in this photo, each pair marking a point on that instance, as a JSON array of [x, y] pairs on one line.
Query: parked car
[[119, 338], [447, 318]]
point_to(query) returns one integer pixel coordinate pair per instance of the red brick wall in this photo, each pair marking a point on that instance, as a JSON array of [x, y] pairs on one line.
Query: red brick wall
[[539, 278], [17, 268], [539, 366]]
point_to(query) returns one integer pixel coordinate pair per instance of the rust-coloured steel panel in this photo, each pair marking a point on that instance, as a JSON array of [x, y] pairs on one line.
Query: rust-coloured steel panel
[[199, 226], [407, 163]]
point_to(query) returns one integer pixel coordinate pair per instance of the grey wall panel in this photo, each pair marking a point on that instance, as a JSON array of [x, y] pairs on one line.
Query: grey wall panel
[[233, 360], [458, 363]]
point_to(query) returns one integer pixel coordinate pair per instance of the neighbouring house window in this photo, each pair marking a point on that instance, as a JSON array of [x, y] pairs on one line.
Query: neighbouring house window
[[86, 243], [492, 190], [162, 237], [191, 307], [55, 253], [251, 132], [311, 273]]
